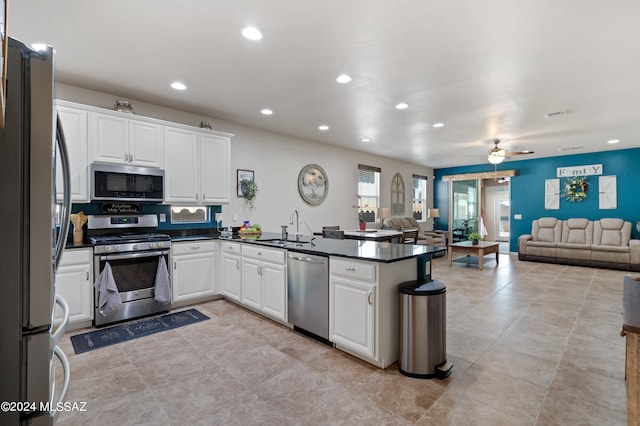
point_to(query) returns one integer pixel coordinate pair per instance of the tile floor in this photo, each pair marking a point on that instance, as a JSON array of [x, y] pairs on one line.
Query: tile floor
[[531, 344]]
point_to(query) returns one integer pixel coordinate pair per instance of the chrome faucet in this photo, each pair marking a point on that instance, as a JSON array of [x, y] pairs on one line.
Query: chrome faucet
[[295, 212]]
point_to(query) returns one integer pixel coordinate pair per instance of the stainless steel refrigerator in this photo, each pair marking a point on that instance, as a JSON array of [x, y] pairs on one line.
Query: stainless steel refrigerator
[[30, 244]]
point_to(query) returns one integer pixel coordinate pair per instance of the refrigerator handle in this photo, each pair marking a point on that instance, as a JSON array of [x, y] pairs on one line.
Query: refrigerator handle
[[62, 328], [65, 385], [66, 197]]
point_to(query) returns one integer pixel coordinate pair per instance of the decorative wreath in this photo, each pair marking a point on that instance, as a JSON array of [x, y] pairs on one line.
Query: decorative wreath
[[576, 189]]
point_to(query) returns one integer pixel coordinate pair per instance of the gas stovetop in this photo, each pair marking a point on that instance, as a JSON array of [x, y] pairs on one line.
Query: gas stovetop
[[112, 234], [128, 238]]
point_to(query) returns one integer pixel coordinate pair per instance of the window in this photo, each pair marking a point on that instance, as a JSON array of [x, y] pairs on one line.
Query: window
[[196, 214], [368, 192], [420, 198]]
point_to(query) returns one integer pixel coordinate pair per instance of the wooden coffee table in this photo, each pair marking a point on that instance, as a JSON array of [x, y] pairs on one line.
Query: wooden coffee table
[[480, 249]]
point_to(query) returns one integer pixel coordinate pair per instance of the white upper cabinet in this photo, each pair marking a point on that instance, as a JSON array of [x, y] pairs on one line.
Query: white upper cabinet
[[197, 166], [180, 166], [122, 140], [215, 160], [74, 125]]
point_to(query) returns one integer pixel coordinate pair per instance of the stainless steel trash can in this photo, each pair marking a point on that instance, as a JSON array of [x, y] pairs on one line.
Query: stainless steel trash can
[[423, 318]]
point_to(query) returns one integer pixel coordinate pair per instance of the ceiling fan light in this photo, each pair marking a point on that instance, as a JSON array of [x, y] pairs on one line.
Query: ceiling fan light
[[496, 157]]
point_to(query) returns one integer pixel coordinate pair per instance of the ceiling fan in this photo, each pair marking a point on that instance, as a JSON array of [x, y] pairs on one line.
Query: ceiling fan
[[497, 155]]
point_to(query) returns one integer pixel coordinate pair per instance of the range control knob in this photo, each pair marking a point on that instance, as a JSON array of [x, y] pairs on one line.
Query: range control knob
[[116, 248], [107, 248], [152, 245], [161, 244], [134, 247]]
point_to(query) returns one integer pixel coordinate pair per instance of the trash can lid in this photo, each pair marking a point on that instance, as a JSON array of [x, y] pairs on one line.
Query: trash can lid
[[422, 288]]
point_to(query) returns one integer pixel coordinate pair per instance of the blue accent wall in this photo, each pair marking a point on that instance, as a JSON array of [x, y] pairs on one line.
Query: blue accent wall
[[527, 189], [94, 208]]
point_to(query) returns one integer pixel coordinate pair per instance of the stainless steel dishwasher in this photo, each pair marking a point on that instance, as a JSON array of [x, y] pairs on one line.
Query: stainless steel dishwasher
[[308, 293]]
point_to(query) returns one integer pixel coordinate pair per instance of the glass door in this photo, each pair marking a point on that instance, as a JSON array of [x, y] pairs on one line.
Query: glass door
[[464, 209]]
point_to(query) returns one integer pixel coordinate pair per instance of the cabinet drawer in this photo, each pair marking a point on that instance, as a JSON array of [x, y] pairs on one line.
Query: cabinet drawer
[[229, 247], [193, 247], [265, 254], [74, 257], [364, 271]]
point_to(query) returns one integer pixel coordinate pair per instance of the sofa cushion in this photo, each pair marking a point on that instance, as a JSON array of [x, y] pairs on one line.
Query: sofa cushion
[[577, 231], [546, 229], [612, 232]]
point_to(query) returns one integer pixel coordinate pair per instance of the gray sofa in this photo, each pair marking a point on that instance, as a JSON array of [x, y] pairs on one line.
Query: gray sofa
[[429, 238], [603, 243]]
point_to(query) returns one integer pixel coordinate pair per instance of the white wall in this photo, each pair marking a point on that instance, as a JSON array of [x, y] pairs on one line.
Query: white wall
[[277, 159]]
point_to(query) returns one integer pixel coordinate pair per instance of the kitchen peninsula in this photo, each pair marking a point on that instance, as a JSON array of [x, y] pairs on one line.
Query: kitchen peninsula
[[363, 286]]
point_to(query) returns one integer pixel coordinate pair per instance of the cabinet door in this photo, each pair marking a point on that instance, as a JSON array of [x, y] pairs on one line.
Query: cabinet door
[[274, 290], [109, 138], [193, 276], [146, 147], [74, 283], [74, 125], [181, 165], [351, 315], [251, 284], [214, 168], [232, 277]]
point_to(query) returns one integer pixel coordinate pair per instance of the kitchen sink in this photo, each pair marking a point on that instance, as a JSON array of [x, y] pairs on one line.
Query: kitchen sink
[[284, 243]]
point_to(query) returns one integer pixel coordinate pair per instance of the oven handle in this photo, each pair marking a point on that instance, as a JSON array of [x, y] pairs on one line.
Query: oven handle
[[135, 255]]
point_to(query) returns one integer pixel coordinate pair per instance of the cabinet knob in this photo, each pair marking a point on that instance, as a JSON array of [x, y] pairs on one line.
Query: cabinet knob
[[350, 269], [174, 265], [87, 275], [195, 247], [369, 298], [237, 264]]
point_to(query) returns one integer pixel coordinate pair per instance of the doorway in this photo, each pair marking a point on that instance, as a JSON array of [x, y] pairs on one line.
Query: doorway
[[496, 211]]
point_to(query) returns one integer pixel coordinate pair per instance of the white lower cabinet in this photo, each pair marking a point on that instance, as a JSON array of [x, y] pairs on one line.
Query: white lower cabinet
[[353, 316], [231, 270], [74, 282], [264, 281], [363, 307], [193, 274]]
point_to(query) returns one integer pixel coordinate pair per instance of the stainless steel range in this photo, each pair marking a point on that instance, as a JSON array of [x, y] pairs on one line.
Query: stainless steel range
[[130, 263]]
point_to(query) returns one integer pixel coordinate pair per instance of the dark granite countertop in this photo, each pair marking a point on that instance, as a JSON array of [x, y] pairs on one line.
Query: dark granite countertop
[[355, 249]]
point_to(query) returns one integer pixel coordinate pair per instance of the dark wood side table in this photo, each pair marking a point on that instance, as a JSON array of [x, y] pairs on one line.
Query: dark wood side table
[[631, 330]]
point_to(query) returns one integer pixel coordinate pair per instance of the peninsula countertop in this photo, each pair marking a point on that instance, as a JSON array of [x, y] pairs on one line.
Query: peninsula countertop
[[356, 249]]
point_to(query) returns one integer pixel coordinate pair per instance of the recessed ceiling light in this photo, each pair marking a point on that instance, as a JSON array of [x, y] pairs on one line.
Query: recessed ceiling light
[[251, 33], [365, 140], [343, 78], [402, 105], [437, 125], [178, 86], [266, 111], [612, 141], [323, 127], [40, 47]]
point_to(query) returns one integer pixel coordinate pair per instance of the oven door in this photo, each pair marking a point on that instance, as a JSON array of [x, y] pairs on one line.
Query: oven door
[[135, 276]]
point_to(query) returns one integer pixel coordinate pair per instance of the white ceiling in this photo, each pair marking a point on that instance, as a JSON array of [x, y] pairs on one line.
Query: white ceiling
[[485, 69]]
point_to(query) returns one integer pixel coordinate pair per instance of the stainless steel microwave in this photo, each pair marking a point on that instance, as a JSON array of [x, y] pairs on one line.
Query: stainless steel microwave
[[125, 183]]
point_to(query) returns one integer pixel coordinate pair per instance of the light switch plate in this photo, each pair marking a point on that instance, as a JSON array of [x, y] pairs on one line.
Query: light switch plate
[[163, 217], [517, 216], [218, 217], [234, 217]]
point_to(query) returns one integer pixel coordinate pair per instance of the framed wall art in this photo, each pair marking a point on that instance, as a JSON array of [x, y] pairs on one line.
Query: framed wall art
[[244, 175], [313, 184]]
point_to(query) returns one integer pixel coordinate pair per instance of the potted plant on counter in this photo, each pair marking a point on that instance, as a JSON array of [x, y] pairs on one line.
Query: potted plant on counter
[[475, 238]]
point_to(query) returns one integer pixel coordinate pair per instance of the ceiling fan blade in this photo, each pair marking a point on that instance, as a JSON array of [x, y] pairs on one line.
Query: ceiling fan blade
[[519, 153]]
